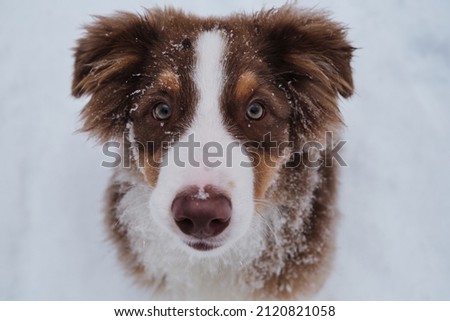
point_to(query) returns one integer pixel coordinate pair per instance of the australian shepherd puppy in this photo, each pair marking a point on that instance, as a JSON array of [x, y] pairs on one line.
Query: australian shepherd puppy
[[226, 183]]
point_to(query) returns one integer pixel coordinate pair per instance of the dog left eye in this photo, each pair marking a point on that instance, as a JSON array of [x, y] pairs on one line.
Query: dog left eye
[[255, 111], [162, 111]]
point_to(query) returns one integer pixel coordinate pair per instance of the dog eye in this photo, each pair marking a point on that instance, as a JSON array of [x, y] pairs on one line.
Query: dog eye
[[255, 111], [162, 111]]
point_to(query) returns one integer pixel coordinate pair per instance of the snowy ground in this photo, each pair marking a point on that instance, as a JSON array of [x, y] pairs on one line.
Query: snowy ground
[[394, 237]]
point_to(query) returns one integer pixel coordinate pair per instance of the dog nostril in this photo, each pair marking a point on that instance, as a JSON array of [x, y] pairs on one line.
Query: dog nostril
[[216, 223], [185, 225], [201, 218]]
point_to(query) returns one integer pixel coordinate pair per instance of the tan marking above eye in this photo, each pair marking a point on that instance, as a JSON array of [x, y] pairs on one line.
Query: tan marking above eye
[[170, 80], [245, 85]]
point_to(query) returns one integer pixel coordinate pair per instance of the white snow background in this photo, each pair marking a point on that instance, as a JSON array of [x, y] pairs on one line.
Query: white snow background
[[394, 235]]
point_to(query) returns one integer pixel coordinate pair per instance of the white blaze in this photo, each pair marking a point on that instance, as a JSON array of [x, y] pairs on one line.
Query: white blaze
[[208, 129], [209, 78]]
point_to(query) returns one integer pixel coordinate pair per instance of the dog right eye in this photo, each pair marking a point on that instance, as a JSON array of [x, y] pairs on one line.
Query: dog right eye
[[162, 111], [255, 111]]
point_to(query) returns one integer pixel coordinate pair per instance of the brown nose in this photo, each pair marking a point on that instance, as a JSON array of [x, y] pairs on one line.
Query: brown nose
[[201, 214]]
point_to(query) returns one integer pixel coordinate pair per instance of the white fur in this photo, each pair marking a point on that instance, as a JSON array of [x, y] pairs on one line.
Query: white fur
[[186, 276], [156, 240]]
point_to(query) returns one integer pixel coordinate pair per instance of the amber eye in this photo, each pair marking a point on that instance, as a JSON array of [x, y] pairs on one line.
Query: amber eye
[[162, 111], [255, 111]]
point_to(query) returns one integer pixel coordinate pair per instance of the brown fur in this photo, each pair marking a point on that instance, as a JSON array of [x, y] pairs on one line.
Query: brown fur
[[151, 168], [117, 232], [296, 62], [169, 80], [307, 263], [246, 84]]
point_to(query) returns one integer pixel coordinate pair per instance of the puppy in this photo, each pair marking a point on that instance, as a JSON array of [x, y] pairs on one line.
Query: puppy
[[226, 185]]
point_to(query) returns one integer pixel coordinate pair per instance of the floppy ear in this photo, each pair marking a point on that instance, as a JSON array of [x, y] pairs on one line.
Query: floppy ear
[[312, 57], [106, 58]]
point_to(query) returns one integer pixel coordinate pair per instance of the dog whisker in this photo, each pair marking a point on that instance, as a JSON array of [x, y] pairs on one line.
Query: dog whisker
[[271, 207]]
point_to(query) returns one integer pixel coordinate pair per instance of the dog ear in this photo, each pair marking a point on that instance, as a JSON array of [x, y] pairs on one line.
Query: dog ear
[[109, 51], [311, 56], [106, 58]]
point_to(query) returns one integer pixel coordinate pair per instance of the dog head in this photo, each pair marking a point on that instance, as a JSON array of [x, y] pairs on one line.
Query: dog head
[[208, 106]]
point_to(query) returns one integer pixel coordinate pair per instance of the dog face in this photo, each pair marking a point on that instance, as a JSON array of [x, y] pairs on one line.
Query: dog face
[[211, 108]]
